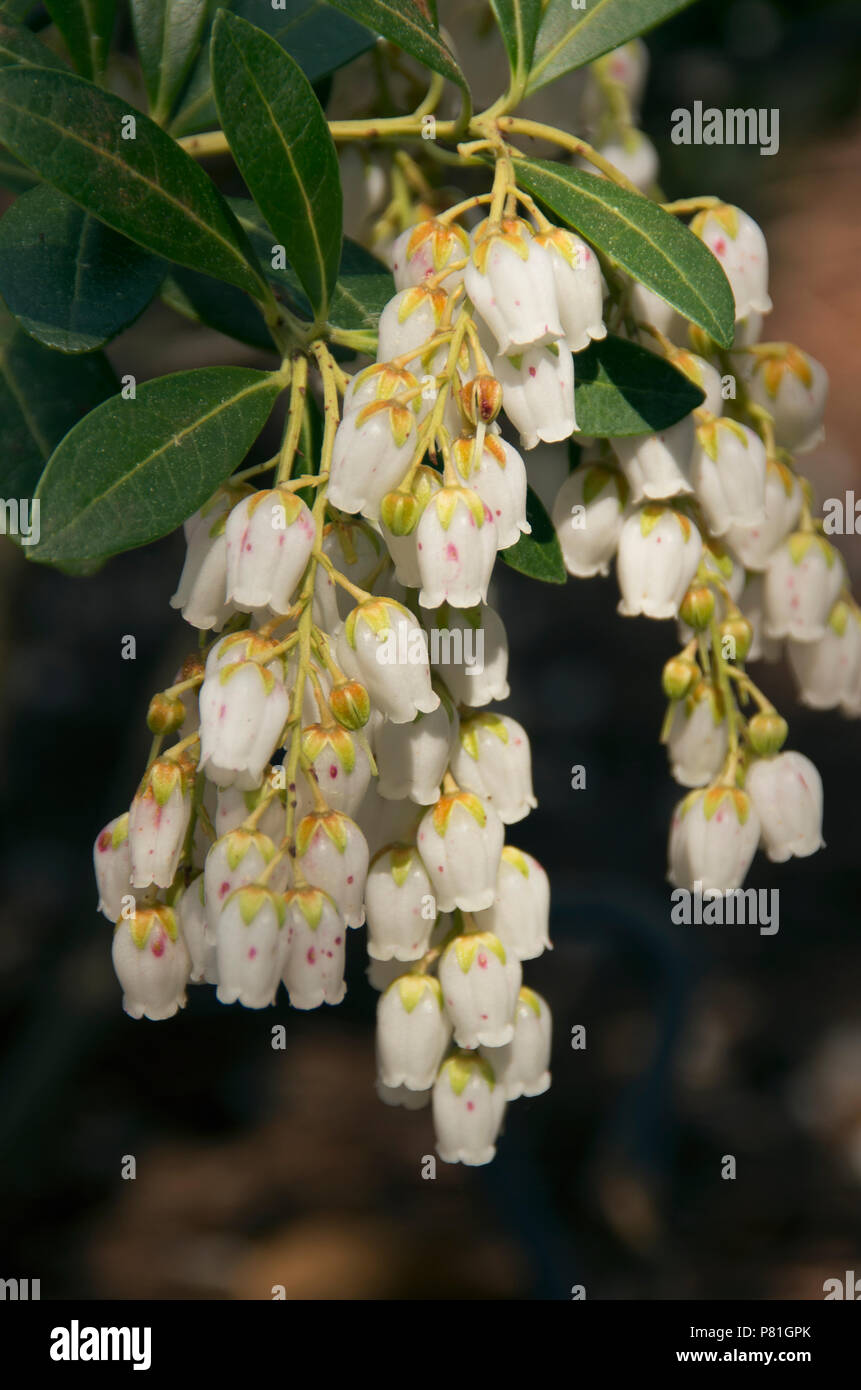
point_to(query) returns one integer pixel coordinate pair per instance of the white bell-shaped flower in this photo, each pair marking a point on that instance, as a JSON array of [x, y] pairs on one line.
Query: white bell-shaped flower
[[698, 737], [588, 513], [480, 982], [649, 308], [460, 841], [112, 864], [400, 513], [658, 465], [379, 382], [786, 792], [385, 822], [358, 553], [492, 758], [270, 536], [424, 251], [703, 374], [243, 709], [235, 860], [634, 155], [314, 970], [332, 853], [400, 905], [579, 287], [498, 476], [728, 473], [470, 652], [754, 545], [792, 387], [412, 758], [152, 963], [250, 947], [828, 671], [738, 243], [538, 393], [659, 550], [372, 452], [413, 1032], [158, 822], [713, 838], [509, 279], [456, 541], [802, 582], [201, 594], [520, 912], [752, 603], [522, 1066], [340, 763], [233, 806], [384, 647], [402, 1096], [468, 1107], [190, 908], [410, 320]]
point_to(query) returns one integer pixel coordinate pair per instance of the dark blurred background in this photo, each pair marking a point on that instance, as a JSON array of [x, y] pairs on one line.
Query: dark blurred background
[[257, 1168]]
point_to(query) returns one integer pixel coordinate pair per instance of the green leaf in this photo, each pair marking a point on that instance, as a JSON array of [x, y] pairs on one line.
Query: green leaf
[[280, 140], [219, 306], [70, 281], [570, 38], [42, 395], [650, 244], [309, 30], [148, 188], [168, 34], [621, 388], [86, 26], [518, 22], [403, 23], [539, 555], [15, 175], [18, 45], [135, 469], [363, 288]]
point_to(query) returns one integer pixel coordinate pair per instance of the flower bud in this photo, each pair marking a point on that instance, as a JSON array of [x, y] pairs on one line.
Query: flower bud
[[165, 714], [678, 676], [492, 758], [520, 912], [314, 970], [152, 963], [467, 1110], [522, 1066], [413, 1032], [250, 947], [739, 633], [158, 822], [698, 607], [481, 399], [786, 792], [460, 841], [480, 984], [767, 733], [350, 704], [333, 855]]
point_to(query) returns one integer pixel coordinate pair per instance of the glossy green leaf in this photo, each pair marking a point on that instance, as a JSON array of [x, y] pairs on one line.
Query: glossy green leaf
[[569, 38], [280, 140], [71, 281], [538, 555], [18, 45], [621, 388], [86, 26], [318, 38], [135, 469], [147, 187], [15, 175], [518, 22], [362, 290], [168, 34], [404, 23], [219, 306], [42, 395], [650, 244]]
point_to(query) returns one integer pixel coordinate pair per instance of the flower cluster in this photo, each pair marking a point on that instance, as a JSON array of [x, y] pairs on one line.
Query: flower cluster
[[336, 761]]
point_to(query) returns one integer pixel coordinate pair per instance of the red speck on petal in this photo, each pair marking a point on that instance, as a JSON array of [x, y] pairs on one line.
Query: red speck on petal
[[333, 771], [451, 551], [252, 953], [532, 371], [482, 961], [350, 879], [157, 946], [311, 956], [337, 940], [440, 869], [470, 1105], [720, 247], [105, 840], [225, 888]]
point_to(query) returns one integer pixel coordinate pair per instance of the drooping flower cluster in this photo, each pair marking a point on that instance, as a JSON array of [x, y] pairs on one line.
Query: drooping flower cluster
[[337, 761]]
